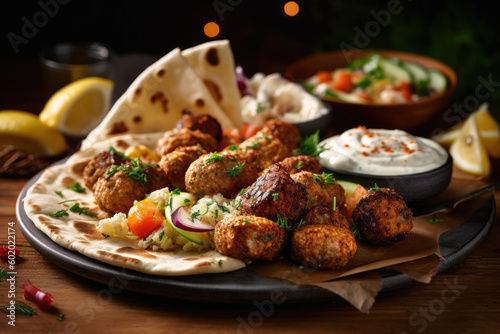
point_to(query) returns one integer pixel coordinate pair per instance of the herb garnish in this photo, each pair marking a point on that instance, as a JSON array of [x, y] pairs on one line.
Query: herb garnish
[[77, 187], [214, 157], [357, 234], [19, 307], [219, 262], [246, 221], [197, 214], [435, 220], [255, 145], [60, 194], [120, 154], [275, 196], [299, 164], [325, 178], [135, 171], [310, 146], [76, 208], [4, 273], [233, 147], [282, 222], [61, 317], [59, 214], [301, 223], [236, 170], [375, 188]]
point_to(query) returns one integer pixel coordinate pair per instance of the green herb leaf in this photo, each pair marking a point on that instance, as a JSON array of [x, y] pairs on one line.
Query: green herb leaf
[[301, 223], [20, 308], [282, 222], [375, 188], [435, 220], [363, 82], [120, 154], [214, 157], [4, 274], [326, 178], [59, 214], [236, 170], [77, 187], [219, 262], [61, 317], [60, 194], [255, 145], [135, 171], [233, 147], [310, 146], [246, 221], [299, 164], [76, 208], [275, 196], [356, 232]]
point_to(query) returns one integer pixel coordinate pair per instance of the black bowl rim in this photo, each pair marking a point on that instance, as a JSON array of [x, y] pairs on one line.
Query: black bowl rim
[[448, 164]]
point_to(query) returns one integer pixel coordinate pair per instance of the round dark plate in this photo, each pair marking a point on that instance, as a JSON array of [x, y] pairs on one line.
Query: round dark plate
[[243, 285]]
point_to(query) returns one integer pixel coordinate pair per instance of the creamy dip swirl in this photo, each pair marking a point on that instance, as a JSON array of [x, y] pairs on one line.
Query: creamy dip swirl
[[381, 152]]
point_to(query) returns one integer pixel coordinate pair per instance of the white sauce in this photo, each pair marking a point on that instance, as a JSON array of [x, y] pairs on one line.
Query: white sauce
[[276, 97], [382, 152]]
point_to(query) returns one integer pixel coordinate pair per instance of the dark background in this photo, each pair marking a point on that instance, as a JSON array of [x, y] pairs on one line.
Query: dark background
[[464, 35]]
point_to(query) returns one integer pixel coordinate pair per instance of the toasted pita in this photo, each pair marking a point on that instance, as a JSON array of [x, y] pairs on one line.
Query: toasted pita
[[214, 63], [155, 101], [80, 233]]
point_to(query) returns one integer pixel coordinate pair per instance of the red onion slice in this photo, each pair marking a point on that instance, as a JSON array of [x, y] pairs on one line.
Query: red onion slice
[[182, 220]]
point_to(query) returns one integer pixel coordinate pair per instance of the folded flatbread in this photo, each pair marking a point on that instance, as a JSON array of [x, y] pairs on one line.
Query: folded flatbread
[[79, 232], [157, 98]]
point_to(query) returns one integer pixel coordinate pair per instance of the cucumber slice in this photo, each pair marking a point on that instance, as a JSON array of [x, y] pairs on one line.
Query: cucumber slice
[[342, 96], [394, 70], [348, 186], [418, 72], [194, 237], [437, 80]]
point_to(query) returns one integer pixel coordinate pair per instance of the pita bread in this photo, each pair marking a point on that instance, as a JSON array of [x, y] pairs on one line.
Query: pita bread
[[155, 101], [214, 63], [80, 233]]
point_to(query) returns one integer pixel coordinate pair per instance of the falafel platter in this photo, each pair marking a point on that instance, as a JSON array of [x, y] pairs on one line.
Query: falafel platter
[[164, 187]]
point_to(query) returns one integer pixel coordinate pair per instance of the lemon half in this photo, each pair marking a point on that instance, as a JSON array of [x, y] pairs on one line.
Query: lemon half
[[78, 107], [27, 133], [468, 152]]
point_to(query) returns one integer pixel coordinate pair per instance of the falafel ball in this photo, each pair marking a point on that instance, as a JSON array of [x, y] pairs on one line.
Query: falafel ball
[[273, 193], [301, 163], [321, 214], [172, 139], [98, 166], [382, 217], [249, 238], [176, 163], [203, 122], [286, 132], [322, 246], [320, 190]]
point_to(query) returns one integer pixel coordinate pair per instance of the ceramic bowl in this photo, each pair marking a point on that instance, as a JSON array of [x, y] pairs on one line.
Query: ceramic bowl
[[322, 123], [413, 187], [403, 116]]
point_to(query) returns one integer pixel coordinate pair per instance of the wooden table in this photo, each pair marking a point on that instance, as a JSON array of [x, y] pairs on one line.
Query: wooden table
[[94, 307]]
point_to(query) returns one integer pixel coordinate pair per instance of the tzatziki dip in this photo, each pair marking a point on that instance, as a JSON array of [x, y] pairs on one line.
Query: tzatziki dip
[[381, 152]]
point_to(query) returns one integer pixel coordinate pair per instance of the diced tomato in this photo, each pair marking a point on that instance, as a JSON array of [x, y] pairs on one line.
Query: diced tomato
[[405, 89], [324, 76], [250, 130], [144, 218], [342, 81], [231, 137], [353, 199]]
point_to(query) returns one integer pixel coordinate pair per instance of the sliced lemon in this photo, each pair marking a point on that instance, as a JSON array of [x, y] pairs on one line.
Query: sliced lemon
[[447, 137], [489, 131], [143, 152], [28, 134], [468, 152], [78, 107]]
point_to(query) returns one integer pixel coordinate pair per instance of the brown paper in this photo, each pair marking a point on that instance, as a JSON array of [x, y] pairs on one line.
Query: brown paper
[[417, 255]]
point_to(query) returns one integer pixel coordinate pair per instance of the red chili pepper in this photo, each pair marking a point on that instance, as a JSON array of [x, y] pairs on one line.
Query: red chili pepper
[[42, 299], [5, 251]]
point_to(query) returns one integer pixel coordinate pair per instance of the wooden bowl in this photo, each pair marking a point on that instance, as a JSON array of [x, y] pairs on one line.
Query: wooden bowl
[[403, 116]]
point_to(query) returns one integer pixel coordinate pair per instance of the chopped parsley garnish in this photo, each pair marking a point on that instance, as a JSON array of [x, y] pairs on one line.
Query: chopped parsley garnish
[[77, 187], [363, 82], [236, 170], [61, 317], [19, 308], [233, 147], [275, 196], [187, 200], [260, 108], [76, 208], [435, 220], [375, 188], [69, 200], [161, 235], [135, 171], [242, 191], [214, 157], [197, 214], [299, 164], [246, 221], [255, 145], [282, 222], [301, 223], [60, 194], [59, 214], [120, 154], [325, 178], [219, 262], [176, 191], [310, 146], [356, 232]]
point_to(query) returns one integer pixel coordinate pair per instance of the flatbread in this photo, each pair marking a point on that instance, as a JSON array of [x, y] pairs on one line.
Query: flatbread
[[80, 233], [156, 99], [214, 63]]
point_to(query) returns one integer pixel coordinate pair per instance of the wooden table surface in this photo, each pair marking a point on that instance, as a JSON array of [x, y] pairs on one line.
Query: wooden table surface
[[91, 307]]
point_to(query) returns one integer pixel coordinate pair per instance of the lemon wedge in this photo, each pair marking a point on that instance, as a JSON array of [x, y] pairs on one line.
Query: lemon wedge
[[468, 151], [487, 125], [78, 107], [28, 134]]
